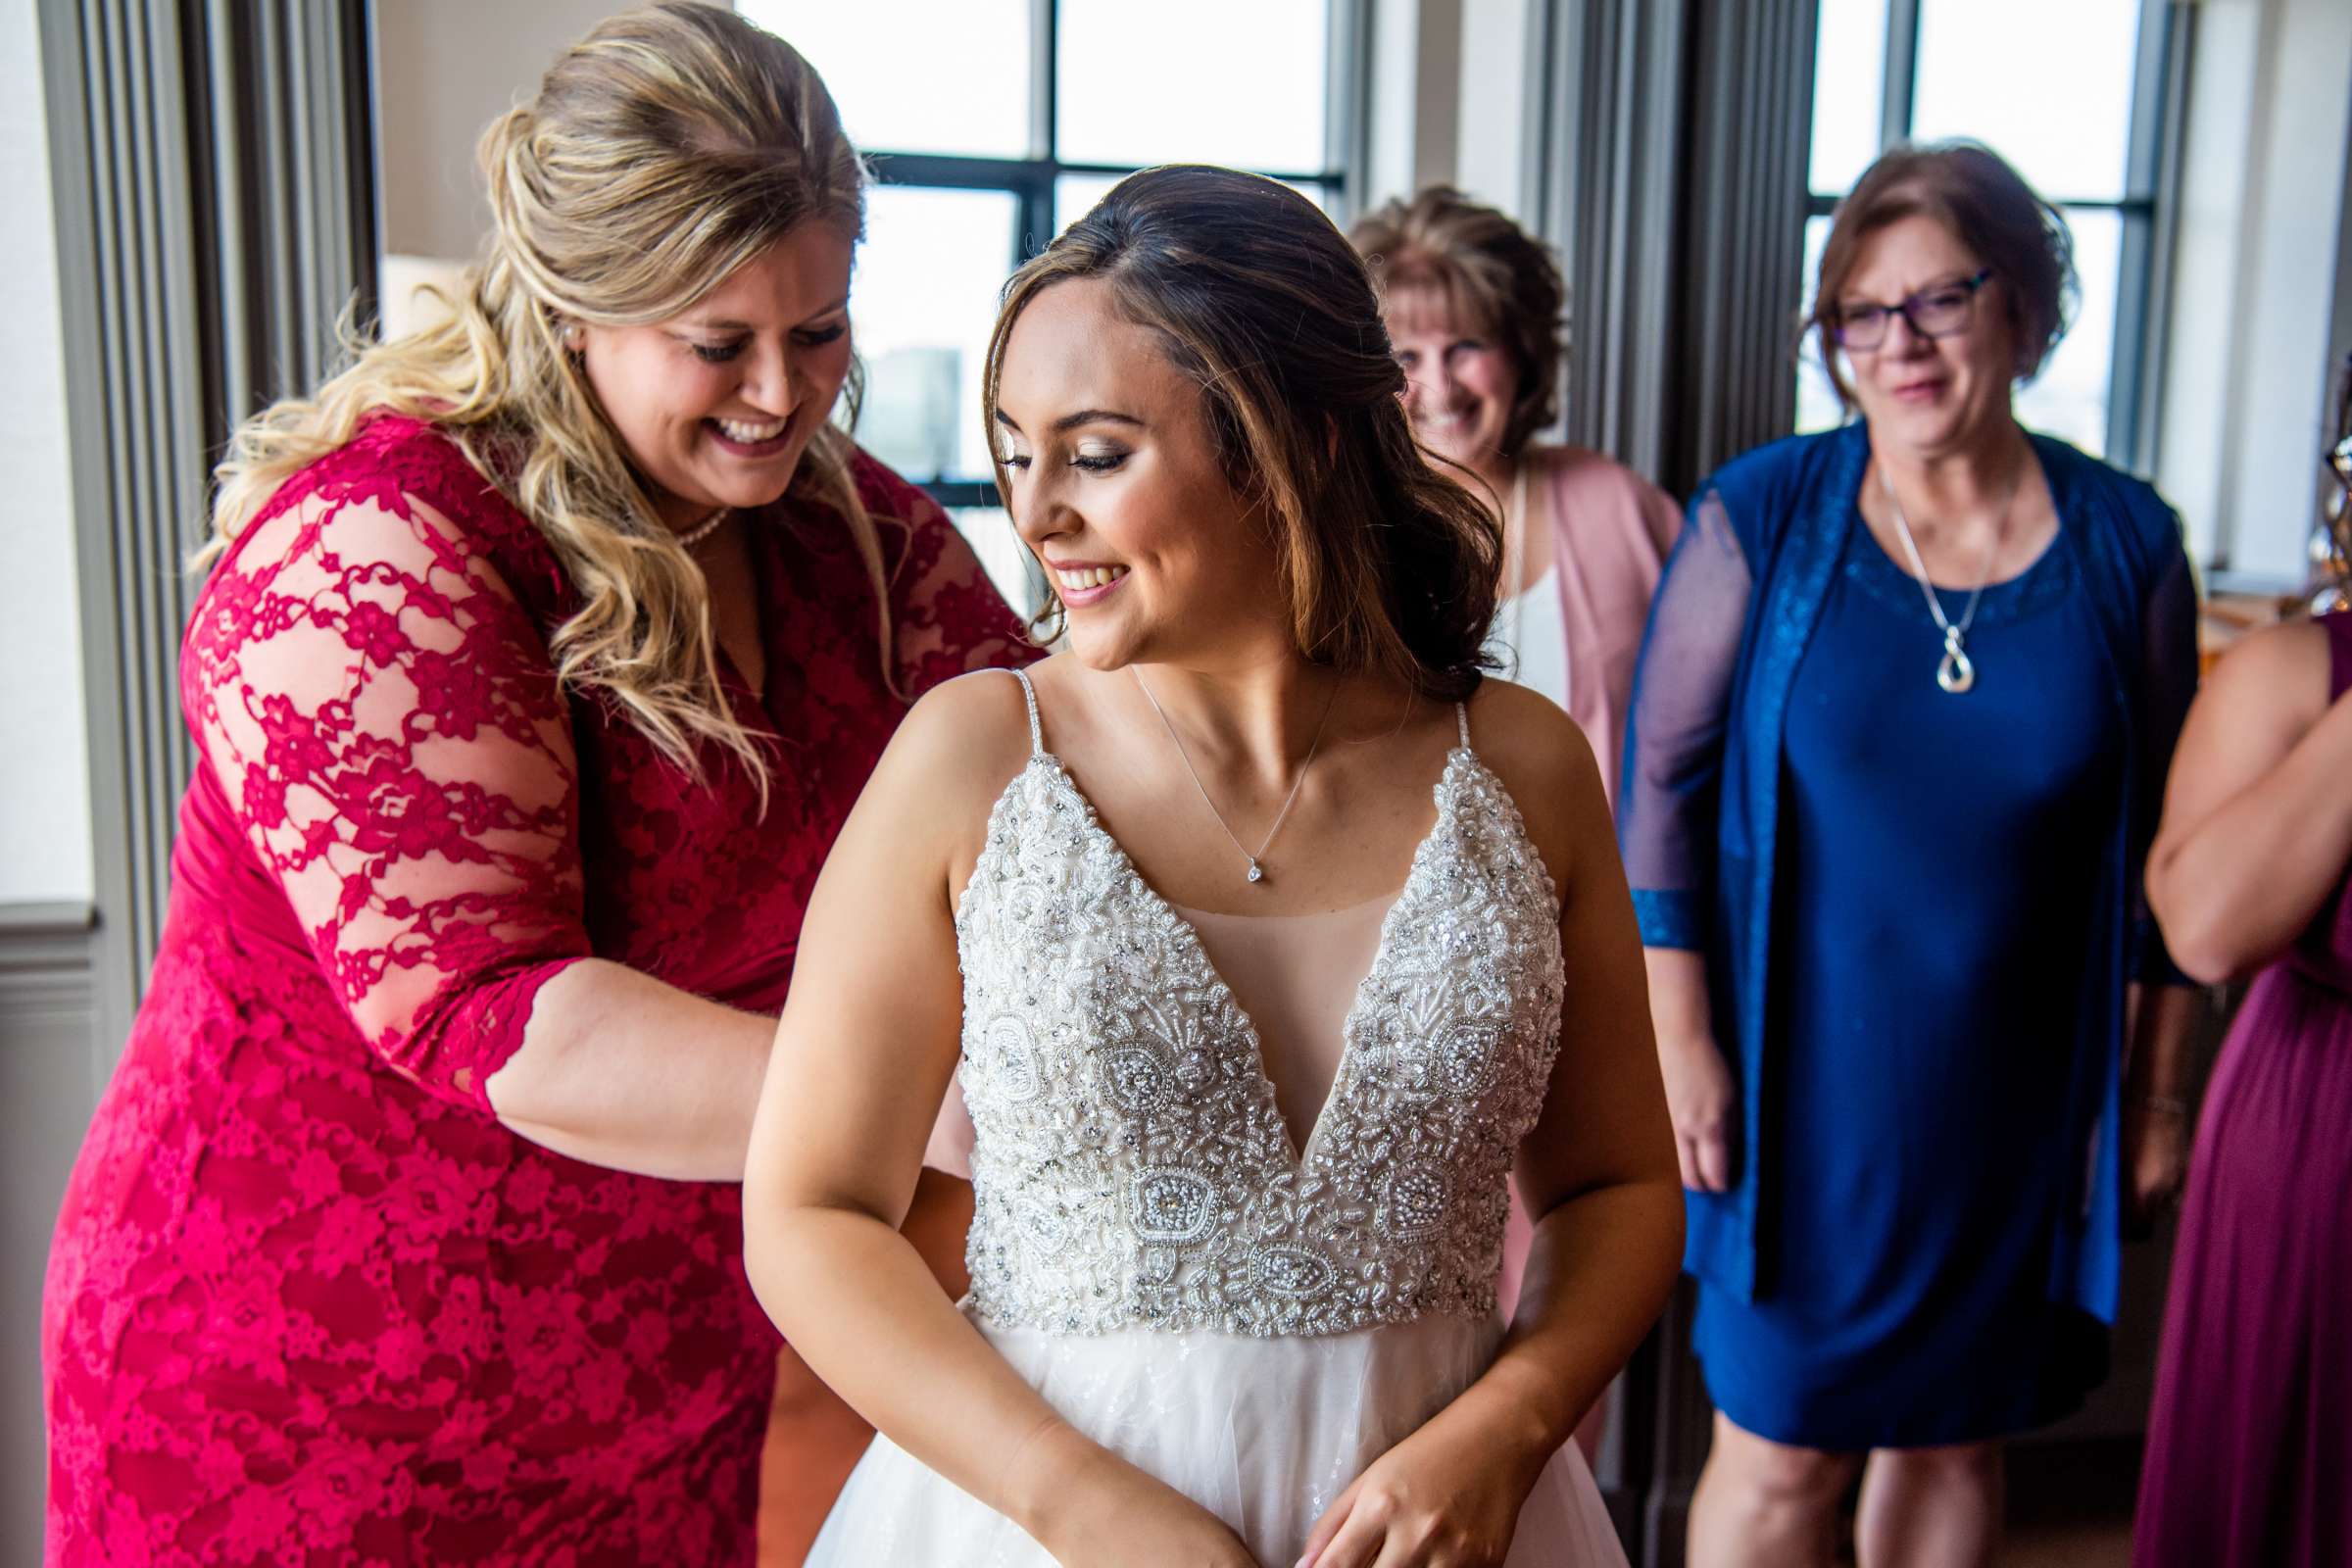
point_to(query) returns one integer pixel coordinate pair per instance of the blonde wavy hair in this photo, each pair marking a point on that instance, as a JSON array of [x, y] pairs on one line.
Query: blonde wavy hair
[[663, 151]]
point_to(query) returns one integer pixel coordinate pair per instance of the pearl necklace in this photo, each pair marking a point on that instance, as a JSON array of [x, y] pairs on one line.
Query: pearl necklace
[[690, 537]]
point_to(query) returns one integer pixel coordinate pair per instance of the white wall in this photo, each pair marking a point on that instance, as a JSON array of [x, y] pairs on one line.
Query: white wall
[[2246, 401], [1416, 87], [1450, 98], [44, 780], [1491, 142], [442, 77]]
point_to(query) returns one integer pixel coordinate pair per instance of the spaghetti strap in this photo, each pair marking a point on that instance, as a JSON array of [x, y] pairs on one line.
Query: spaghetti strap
[[1461, 719], [1036, 734]]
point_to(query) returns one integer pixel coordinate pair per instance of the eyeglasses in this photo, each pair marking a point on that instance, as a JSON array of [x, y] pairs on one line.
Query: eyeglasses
[[1938, 312]]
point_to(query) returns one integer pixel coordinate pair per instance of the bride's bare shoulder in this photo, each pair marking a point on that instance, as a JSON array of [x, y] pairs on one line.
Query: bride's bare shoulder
[[960, 744], [1545, 761]]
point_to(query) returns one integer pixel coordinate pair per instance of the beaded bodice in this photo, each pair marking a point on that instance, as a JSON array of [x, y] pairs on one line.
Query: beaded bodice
[[1130, 1167]]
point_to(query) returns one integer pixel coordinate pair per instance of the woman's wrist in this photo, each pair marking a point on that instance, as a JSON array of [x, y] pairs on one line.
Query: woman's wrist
[[1675, 1045], [1512, 1418], [1050, 1475]]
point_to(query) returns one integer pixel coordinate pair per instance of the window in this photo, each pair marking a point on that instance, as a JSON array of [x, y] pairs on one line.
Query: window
[[2072, 95], [992, 125]]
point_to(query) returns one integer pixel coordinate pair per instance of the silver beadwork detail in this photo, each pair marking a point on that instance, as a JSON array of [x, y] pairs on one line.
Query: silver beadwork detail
[[1130, 1167]]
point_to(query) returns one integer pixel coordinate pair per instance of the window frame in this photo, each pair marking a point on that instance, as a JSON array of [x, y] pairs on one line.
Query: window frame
[[1031, 179], [2151, 160]]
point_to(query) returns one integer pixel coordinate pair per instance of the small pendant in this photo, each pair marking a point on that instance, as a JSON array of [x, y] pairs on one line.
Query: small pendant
[[1257, 873], [1954, 673]]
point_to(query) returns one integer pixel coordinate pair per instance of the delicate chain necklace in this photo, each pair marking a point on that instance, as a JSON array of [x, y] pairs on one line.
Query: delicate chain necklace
[[690, 537], [1954, 672], [1257, 873]]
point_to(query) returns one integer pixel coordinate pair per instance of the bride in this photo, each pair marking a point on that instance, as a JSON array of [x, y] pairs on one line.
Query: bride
[[1265, 940]]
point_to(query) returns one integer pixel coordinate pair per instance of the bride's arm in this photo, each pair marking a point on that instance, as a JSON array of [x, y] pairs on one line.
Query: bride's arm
[[1597, 1174], [864, 1053]]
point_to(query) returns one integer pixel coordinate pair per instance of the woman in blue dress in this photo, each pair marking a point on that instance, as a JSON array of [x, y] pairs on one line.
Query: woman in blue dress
[[1900, 727]]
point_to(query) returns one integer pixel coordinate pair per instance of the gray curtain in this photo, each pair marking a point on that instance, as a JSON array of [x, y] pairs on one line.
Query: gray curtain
[[213, 168], [1671, 147]]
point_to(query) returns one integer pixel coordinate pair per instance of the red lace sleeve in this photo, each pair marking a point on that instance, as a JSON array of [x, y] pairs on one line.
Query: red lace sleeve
[[382, 715], [951, 618]]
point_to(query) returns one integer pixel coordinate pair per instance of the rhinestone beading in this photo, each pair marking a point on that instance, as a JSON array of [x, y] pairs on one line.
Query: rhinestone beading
[[1130, 1167]]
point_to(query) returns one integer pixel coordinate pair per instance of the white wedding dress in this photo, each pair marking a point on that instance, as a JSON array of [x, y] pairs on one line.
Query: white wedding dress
[[1249, 1321]]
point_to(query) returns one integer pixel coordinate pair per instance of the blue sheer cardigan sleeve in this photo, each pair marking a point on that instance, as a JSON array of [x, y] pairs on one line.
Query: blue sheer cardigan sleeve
[[2168, 682], [1673, 766]]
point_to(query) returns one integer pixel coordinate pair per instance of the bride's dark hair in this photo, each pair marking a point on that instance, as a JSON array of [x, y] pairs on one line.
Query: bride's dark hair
[[1386, 565]]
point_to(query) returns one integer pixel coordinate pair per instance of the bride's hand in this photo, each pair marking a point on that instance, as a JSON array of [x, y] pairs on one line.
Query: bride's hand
[[1438, 1499], [1113, 1515]]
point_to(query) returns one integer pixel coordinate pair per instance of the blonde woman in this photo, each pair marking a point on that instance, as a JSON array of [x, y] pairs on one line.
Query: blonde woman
[[540, 656]]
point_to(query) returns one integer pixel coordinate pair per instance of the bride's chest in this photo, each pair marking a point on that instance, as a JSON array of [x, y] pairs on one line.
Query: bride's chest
[[1099, 1035]]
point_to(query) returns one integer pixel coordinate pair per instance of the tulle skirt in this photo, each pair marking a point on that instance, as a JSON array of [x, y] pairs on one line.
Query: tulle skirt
[[1263, 1433]]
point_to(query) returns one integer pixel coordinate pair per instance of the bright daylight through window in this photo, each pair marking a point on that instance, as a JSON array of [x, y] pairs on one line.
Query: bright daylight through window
[[989, 138], [2076, 114]]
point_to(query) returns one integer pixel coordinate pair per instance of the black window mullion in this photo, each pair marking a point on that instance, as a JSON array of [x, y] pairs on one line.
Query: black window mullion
[[1032, 181], [2127, 366], [2143, 156], [1902, 73], [1346, 79], [1044, 78], [950, 171], [954, 493], [2152, 145], [1037, 227], [1332, 178]]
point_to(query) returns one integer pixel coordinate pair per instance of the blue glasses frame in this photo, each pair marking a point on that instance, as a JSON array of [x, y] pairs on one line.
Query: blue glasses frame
[[1926, 313]]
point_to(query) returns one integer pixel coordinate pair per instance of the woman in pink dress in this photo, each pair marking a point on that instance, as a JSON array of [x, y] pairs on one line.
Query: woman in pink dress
[[1477, 310], [542, 655]]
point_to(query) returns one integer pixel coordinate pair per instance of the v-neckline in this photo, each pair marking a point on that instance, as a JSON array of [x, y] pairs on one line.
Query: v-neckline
[[1300, 1157], [762, 566]]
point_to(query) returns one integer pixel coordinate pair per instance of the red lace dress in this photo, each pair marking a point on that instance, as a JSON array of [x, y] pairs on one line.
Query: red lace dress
[[308, 1301]]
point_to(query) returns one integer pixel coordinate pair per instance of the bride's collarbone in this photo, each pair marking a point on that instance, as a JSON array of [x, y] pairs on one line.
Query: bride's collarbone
[[1348, 838], [1194, 817]]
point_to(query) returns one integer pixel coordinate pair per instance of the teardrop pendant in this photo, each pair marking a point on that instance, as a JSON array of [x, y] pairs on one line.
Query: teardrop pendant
[[1954, 673], [1257, 873]]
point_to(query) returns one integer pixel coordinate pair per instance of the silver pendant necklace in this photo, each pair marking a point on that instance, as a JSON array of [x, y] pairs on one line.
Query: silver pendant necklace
[[1255, 872], [1955, 673]]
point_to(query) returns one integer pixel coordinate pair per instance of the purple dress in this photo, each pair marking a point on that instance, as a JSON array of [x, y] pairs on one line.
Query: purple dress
[[2250, 1438]]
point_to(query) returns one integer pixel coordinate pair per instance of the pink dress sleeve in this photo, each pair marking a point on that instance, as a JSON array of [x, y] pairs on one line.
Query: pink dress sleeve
[[951, 1135], [951, 618], [381, 716], [1661, 518], [1613, 530]]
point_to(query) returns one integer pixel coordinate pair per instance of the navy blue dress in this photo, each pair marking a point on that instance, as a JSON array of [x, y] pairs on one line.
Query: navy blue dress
[[1941, 860]]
